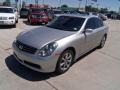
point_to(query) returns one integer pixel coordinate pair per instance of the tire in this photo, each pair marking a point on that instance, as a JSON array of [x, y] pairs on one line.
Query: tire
[[21, 16], [28, 20], [17, 21], [14, 26], [102, 43], [65, 61]]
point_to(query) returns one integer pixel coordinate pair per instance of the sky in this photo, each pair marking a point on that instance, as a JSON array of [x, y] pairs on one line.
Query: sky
[[110, 4]]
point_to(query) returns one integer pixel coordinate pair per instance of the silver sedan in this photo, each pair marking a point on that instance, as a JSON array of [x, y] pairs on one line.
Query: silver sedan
[[56, 46]]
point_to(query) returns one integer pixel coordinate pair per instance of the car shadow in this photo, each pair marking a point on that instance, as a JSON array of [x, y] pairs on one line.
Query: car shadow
[[30, 75], [24, 72], [86, 54], [6, 27]]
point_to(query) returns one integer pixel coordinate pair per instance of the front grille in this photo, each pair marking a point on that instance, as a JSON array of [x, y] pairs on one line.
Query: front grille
[[3, 18], [38, 16], [25, 48]]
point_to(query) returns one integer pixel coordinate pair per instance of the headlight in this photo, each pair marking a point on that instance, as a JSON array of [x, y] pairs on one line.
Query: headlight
[[11, 17], [48, 49]]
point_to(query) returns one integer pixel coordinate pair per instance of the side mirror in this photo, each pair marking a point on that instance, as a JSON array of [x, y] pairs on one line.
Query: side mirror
[[88, 30]]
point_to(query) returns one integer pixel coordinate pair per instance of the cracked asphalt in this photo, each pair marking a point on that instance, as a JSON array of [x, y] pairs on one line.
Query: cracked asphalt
[[97, 70]]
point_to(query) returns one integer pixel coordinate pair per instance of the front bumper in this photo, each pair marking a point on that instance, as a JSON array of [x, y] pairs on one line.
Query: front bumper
[[7, 22], [34, 62]]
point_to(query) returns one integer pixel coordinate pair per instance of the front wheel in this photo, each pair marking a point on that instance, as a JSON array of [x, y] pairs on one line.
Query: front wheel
[[65, 61], [17, 21], [14, 26]]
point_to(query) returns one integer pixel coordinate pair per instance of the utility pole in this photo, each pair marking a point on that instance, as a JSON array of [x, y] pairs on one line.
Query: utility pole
[[92, 6], [21, 3], [97, 7], [86, 5], [79, 4], [60, 4], [43, 1]]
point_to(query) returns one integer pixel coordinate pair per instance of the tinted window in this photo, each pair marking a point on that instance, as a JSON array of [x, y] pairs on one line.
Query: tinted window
[[24, 9], [94, 23], [67, 23], [6, 10], [90, 24], [37, 10], [98, 22]]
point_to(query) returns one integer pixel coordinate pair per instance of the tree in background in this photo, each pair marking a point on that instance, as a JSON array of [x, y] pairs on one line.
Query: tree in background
[[64, 7], [7, 3], [103, 10]]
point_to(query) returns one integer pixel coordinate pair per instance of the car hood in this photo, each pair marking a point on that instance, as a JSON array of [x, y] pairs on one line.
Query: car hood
[[42, 36], [6, 15]]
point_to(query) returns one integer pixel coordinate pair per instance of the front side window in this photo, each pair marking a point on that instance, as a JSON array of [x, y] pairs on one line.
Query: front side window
[[94, 23], [67, 23], [98, 22], [6, 10], [90, 24]]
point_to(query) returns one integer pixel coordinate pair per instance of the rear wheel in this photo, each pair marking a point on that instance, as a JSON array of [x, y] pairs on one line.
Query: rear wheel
[[65, 61]]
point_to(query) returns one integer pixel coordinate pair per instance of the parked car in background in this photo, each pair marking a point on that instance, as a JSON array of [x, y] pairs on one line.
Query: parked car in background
[[56, 46], [108, 15], [118, 16], [57, 12], [8, 16], [93, 13], [114, 16], [24, 13], [102, 16], [39, 15]]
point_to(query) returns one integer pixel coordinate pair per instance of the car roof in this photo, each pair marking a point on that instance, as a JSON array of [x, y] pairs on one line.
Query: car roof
[[6, 7], [79, 15]]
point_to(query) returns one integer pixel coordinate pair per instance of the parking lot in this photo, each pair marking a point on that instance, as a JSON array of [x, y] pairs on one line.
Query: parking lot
[[98, 70]]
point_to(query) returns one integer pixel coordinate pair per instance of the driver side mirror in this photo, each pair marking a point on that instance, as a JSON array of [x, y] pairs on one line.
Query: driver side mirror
[[88, 30]]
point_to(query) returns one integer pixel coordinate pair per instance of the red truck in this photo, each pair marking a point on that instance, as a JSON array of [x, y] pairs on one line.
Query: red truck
[[40, 15]]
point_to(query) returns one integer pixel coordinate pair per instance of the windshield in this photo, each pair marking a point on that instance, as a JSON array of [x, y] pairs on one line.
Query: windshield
[[6, 10], [67, 23], [37, 10], [23, 9]]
